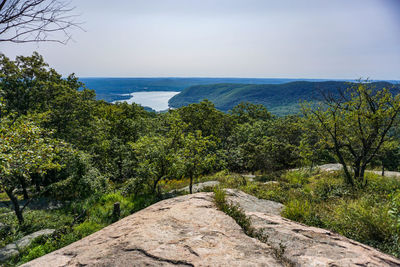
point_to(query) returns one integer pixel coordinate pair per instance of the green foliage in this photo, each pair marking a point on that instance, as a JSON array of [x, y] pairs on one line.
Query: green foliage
[[196, 157], [296, 178], [354, 126], [233, 211], [59, 143], [298, 210], [264, 145], [247, 112], [279, 99], [78, 179]]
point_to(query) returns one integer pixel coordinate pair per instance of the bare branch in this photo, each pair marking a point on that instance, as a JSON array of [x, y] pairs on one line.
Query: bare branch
[[23, 21]]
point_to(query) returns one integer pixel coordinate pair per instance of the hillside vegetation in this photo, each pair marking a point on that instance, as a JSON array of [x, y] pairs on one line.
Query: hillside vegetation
[[279, 99], [111, 89], [67, 159]]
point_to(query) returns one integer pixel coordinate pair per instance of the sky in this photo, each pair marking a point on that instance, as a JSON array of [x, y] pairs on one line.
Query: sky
[[340, 39]]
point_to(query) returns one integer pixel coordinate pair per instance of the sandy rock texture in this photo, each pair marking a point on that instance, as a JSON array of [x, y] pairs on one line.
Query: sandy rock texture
[[190, 231]]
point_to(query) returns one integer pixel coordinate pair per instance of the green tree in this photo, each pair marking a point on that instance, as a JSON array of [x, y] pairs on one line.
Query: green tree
[[25, 148], [206, 118], [29, 85], [196, 156], [247, 112], [155, 159], [354, 126]]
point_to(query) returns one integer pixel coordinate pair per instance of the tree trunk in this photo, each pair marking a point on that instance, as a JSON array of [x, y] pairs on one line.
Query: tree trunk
[[191, 184], [17, 210], [356, 173], [156, 183], [362, 175], [383, 170], [23, 185], [349, 179]]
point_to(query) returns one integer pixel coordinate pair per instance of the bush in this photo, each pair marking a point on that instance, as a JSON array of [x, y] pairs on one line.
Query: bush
[[324, 188]]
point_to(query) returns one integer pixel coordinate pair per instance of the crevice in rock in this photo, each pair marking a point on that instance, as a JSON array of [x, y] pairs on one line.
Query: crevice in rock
[[192, 251], [144, 252]]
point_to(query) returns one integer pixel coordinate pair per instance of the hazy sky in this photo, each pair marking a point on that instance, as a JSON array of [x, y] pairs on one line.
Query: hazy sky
[[229, 38]]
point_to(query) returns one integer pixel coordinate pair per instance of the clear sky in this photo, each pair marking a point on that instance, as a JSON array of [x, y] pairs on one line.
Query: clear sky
[[229, 38]]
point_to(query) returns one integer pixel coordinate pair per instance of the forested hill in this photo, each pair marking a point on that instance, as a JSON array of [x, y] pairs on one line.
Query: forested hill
[[280, 99]]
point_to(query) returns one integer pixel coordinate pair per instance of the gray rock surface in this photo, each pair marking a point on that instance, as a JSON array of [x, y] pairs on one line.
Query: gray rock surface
[[338, 167], [198, 187], [183, 231], [13, 249], [330, 167], [250, 203], [190, 231], [388, 173]]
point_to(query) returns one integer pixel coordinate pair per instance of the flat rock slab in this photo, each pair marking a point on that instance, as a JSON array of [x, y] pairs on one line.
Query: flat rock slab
[[13, 249], [190, 231], [310, 246], [183, 231]]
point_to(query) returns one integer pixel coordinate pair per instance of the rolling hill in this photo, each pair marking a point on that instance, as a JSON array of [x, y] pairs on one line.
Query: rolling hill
[[280, 99]]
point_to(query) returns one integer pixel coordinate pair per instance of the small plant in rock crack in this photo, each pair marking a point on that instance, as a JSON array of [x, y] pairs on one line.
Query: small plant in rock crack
[[236, 213]]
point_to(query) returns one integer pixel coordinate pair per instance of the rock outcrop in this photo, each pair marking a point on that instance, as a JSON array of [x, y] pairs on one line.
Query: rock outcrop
[[190, 231], [197, 187], [13, 249]]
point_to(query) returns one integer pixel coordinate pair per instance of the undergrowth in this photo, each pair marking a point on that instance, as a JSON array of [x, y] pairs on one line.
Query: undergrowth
[[236, 213], [370, 215], [72, 222]]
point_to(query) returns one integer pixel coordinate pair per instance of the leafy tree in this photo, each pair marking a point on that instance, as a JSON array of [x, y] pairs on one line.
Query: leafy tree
[[354, 126], [155, 159], [25, 148], [204, 117], [264, 145], [29, 85], [196, 156], [118, 125], [389, 156], [247, 112]]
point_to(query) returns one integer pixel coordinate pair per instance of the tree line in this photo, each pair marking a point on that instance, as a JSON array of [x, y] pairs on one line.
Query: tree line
[[58, 141]]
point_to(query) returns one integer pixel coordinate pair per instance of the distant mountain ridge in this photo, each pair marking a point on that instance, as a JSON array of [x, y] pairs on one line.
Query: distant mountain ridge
[[280, 99], [112, 89]]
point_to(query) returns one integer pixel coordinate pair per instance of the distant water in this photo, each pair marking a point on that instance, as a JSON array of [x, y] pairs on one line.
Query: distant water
[[155, 100], [119, 89]]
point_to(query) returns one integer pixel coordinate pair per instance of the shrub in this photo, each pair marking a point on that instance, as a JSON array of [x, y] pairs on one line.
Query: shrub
[[296, 178], [327, 187], [363, 220], [86, 228], [298, 210]]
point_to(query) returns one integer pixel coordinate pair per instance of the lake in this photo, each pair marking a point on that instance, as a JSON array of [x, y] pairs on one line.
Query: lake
[[157, 100]]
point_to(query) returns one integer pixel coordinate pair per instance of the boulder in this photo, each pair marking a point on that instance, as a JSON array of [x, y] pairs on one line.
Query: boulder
[[190, 231]]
